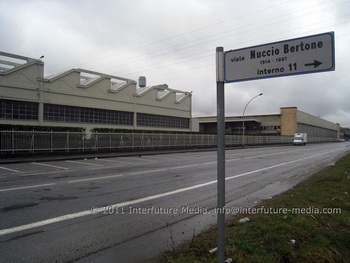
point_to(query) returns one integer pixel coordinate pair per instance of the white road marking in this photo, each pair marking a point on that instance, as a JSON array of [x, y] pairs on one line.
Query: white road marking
[[49, 172], [25, 187], [209, 163], [137, 160], [140, 200], [8, 169], [257, 156], [149, 171], [93, 164], [95, 178], [50, 165], [157, 158], [186, 166], [115, 161]]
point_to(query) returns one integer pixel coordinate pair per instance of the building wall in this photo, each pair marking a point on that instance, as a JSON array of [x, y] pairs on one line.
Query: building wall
[[315, 126], [254, 124], [288, 121], [72, 93], [316, 121]]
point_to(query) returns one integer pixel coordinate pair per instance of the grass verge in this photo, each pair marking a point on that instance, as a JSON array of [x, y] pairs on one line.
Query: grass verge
[[309, 223]]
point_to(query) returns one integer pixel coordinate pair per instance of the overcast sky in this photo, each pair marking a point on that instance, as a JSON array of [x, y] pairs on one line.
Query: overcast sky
[[174, 42]]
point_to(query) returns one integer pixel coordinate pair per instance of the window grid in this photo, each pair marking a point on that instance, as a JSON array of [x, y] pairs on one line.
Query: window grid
[[151, 120], [62, 113], [20, 110]]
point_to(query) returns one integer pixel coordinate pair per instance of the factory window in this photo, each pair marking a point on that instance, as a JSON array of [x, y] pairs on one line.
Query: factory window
[[270, 128], [61, 113], [19, 110], [151, 120]]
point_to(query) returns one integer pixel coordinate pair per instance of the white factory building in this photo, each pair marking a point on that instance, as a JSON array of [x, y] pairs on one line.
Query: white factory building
[[87, 99]]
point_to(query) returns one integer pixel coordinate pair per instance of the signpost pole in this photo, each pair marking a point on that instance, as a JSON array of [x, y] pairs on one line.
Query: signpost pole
[[304, 55], [220, 86]]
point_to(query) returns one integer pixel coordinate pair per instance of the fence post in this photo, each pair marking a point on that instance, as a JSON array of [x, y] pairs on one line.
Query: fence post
[[96, 140], [67, 142], [133, 140], [51, 140], [110, 141], [13, 141], [142, 141], [83, 133], [33, 143], [152, 140], [121, 143], [161, 142]]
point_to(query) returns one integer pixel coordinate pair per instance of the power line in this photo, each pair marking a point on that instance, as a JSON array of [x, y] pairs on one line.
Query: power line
[[210, 53], [180, 35], [171, 49]]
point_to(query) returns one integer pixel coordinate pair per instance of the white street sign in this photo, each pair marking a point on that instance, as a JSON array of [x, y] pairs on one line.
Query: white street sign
[[304, 55]]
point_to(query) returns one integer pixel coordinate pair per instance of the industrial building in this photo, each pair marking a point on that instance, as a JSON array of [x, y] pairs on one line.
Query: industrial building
[[87, 99], [289, 121]]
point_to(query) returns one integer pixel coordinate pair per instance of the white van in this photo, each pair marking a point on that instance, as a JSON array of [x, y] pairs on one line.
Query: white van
[[300, 139]]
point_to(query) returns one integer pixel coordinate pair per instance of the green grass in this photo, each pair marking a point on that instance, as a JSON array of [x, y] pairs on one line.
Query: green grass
[[319, 237]]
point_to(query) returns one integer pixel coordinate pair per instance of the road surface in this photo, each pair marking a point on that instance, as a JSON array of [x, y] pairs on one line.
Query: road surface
[[129, 209]]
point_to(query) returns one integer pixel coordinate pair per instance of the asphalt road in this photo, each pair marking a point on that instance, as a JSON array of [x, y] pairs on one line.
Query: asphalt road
[[129, 209]]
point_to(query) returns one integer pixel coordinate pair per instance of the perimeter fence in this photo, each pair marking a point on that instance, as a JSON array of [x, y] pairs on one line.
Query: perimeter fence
[[12, 142]]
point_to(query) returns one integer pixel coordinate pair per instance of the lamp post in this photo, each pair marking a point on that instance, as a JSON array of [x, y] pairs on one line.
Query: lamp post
[[243, 141]]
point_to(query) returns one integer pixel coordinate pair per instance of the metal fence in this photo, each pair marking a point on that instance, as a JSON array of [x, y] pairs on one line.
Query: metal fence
[[37, 141], [13, 142]]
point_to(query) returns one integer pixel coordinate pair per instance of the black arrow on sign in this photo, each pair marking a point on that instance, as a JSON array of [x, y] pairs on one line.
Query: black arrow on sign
[[315, 64]]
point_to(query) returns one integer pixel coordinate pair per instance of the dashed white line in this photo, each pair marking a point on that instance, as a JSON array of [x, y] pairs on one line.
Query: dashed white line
[[8, 169], [50, 165], [95, 178], [25, 187], [93, 164], [209, 163], [49, 172], [149, 171], [182, 167], [115, 161]]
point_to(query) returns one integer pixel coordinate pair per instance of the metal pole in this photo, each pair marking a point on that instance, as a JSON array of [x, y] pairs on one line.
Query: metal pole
[[220, 86]]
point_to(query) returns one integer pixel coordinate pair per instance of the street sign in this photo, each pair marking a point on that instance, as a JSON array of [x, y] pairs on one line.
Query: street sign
[[303, 55]]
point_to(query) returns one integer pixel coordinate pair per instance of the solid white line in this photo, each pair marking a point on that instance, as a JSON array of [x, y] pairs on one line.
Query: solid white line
[[50, 165], [84, 163], [209, 163], [186, 166], [12, 170], [89, 212], [140, 200], [149, 171], [25, 187], [95, 178]]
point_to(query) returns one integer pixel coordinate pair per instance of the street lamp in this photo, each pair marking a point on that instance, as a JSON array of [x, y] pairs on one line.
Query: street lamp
[[243, 141]]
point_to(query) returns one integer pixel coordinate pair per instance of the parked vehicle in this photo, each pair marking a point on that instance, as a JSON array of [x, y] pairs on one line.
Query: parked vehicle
[[300, 139]]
